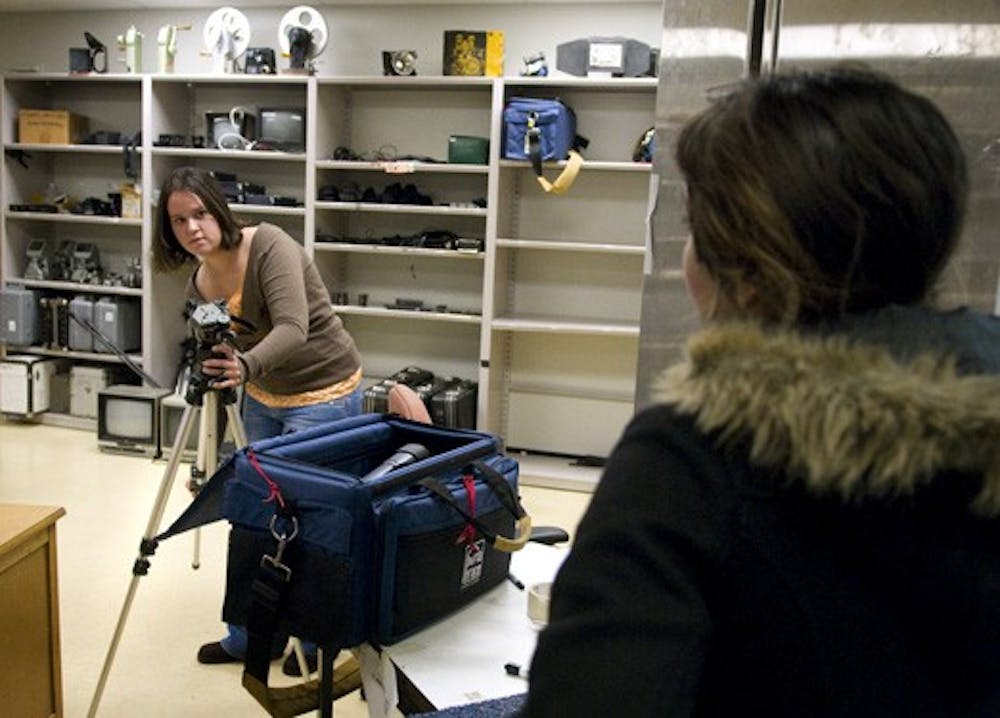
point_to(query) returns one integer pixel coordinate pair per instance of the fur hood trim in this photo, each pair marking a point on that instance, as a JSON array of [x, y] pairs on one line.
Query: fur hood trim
[[845, 418]]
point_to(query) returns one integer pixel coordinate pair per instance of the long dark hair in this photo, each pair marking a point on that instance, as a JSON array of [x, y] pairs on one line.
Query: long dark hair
[[827, 193], [168, 254]]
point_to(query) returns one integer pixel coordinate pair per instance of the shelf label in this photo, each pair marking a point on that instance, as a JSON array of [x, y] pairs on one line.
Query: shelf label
[[399, 168]]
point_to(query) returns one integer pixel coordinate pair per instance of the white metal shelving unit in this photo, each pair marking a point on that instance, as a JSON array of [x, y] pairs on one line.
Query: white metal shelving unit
[[568, 277], [545, 316], [386, 133], [32, 171]]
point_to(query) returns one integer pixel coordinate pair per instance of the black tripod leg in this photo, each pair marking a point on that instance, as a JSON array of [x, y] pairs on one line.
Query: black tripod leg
[[146, 548]]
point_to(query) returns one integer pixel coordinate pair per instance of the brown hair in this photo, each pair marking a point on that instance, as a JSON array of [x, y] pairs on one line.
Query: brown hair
[[168, 254], [827, 193]]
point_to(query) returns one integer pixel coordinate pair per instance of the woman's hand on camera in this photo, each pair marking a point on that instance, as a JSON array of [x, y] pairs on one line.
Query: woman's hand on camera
[[225, 368]]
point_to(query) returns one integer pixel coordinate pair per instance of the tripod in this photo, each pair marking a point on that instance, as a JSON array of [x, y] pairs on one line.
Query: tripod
[[208, 452]]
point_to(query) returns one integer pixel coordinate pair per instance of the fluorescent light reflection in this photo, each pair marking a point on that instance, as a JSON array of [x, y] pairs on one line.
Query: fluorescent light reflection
[[843, 41], [889, 40]]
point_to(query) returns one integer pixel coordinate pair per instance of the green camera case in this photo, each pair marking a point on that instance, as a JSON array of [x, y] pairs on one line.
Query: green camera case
[[468, 150]]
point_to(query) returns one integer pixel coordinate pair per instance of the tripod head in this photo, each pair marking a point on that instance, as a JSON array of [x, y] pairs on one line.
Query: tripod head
[[208, 325]]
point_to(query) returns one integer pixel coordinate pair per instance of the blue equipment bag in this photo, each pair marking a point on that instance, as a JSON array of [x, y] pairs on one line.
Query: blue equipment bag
[[555, 121], [372, 560], [330, 545], [539, 130]]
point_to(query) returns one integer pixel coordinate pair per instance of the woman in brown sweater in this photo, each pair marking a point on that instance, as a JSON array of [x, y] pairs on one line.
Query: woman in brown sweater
[[297, 363]]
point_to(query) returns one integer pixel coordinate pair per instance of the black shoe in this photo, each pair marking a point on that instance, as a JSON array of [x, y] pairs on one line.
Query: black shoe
[[291, 665], [392, 194], [213, 653]]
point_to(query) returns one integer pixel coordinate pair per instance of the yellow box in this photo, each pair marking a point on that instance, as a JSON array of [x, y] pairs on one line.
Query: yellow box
[[51, 127], [473, 52]]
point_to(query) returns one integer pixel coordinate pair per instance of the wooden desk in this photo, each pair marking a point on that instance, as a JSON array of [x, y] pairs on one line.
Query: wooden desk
[[30, 674]]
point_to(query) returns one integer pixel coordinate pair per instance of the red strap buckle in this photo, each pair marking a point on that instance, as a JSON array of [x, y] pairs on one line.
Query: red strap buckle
[[468, 534]]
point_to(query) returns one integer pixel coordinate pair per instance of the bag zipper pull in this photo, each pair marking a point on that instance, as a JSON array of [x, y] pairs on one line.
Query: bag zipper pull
[[532, 117]]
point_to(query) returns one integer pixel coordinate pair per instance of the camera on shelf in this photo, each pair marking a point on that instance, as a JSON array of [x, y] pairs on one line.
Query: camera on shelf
[[399, 62], [95, 206], [208, 324], [176, 140], [260, 61]]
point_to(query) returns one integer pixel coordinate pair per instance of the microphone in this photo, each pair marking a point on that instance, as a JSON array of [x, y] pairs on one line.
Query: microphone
[[405, 455]]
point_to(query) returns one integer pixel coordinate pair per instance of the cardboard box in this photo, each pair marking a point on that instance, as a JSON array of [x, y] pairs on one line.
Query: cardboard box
[[51, 127], [131, 201], [86, 383], [473, 52]]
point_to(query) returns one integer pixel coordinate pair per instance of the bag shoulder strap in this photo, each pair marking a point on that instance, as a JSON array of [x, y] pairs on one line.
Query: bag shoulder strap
[[508, 499], [574, 162], [267, 594], [564, 181]]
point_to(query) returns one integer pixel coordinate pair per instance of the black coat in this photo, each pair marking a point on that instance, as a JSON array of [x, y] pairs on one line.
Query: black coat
[[806, 526]]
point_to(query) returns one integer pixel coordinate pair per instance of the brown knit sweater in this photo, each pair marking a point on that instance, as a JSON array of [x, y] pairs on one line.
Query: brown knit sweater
[[297, 343]]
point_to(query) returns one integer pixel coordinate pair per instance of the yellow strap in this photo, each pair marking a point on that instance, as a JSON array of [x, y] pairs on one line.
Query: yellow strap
[[565, 179], [522, 533], [300, 698]]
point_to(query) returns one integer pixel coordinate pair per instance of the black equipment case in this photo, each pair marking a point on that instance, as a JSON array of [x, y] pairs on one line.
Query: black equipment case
[[375, 398], [455, 405]]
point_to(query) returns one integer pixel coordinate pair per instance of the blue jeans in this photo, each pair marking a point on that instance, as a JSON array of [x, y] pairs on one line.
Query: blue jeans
[[262, 422]]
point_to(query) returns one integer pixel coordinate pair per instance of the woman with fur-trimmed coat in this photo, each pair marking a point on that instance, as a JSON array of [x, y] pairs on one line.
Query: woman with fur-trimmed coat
[[806, 524]]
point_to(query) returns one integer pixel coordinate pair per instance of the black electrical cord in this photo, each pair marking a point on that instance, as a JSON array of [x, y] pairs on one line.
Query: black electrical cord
[[88, 325]]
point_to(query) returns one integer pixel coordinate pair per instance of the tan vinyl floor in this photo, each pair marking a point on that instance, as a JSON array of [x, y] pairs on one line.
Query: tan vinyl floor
[[109, 500]]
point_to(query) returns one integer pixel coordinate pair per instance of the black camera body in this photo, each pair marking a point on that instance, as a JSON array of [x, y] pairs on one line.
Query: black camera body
[[399, 62], [208, 325], [260, 61]]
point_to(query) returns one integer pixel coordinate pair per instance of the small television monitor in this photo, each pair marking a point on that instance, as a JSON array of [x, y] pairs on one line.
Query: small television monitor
[[171, 411], [128, 419], [282, 128]]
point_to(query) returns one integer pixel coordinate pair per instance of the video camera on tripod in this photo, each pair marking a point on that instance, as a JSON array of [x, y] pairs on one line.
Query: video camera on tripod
[[208, 325]]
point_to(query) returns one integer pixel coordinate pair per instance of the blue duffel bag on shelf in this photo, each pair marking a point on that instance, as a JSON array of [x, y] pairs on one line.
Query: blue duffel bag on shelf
[[543, 130], [364, 529]]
